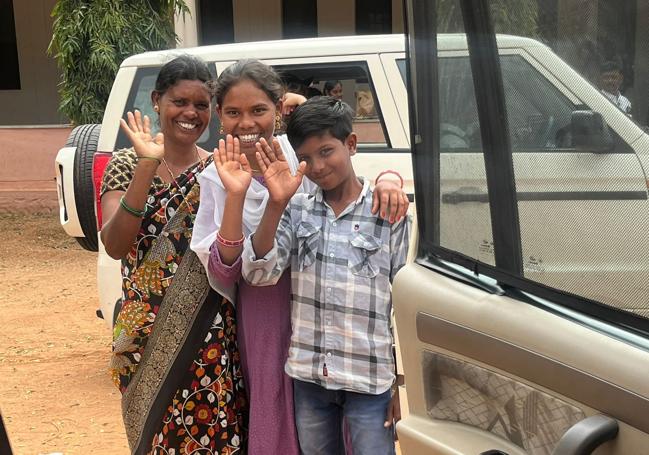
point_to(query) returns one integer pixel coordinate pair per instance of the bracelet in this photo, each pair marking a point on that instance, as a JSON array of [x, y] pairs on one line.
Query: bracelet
[[149, 158], [131, 210], [229, 243], [389, 171]]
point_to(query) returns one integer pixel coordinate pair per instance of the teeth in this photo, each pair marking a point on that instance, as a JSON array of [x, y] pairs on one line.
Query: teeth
[[248, 137], [187, 126]]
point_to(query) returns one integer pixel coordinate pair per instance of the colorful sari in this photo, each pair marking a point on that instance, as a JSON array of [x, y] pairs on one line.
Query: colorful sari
[[175, 357]]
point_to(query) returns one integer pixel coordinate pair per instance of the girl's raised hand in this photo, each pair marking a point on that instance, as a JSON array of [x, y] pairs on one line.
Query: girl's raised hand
[[233, 166], [281, 183], [138, 131]]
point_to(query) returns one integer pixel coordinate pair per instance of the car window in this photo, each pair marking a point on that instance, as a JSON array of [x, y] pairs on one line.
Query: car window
[[140, 98], [538, 113], [555, 205], [352, 82]]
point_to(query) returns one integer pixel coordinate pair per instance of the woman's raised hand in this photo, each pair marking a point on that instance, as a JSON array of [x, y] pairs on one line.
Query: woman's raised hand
[[281, 183], [138, 131], [233, 166]]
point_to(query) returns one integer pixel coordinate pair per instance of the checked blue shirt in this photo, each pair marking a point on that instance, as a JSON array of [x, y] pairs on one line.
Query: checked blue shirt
[[341, 274]]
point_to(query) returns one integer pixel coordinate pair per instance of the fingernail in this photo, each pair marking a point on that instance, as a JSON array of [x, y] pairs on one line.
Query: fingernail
[[382, 214]]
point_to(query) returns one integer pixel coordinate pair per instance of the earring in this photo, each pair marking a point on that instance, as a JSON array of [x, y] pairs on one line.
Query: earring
[[156, 108], [221, 131], [278, 122]]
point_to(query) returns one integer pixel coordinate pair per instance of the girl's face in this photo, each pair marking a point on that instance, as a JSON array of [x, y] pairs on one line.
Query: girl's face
[[184, 111], [248, 114], [337, 92]]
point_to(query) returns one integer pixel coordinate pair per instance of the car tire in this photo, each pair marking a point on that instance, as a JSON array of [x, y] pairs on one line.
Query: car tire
[[85, 138]]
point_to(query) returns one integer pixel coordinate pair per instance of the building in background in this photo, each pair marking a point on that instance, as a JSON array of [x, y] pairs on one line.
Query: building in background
[[28, 83]]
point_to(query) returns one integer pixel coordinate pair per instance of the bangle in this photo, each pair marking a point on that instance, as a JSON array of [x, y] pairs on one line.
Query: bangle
[[131, 210], [229, 243], [149, 158], [389, 171]]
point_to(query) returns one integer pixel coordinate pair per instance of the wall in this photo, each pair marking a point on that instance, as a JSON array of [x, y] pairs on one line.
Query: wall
[[36, 103]]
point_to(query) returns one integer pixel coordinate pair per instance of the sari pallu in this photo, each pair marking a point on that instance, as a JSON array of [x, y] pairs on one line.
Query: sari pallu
[[175, 357]]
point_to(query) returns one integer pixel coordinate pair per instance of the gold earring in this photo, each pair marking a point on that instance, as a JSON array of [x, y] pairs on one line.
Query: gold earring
[[221, 131], [156, 108], [278, 122]]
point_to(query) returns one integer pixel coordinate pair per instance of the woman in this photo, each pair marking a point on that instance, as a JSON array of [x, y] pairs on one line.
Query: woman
[[333, 88], [249, 98], [175, 357]]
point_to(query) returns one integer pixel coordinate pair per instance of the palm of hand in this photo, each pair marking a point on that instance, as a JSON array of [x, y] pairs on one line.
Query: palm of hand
[[233, 176], [280, 182], [146, 145]]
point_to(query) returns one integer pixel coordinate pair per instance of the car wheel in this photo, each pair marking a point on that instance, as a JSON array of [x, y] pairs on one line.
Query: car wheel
[[85, 139]]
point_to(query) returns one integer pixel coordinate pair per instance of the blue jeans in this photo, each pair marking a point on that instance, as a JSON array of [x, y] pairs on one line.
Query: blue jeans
[[319, 414]]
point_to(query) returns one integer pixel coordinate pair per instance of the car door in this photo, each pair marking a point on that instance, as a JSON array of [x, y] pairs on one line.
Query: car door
[[502, 352]]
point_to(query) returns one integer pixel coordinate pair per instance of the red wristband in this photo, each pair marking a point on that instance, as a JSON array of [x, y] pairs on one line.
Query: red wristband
[[229, 243], [389, 171]]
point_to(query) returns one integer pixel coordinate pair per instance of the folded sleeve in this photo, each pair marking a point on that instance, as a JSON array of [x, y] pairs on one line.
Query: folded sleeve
[[267, 271]]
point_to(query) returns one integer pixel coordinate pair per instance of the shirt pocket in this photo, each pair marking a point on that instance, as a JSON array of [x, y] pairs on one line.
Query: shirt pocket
[[307, 243], [363, 261]]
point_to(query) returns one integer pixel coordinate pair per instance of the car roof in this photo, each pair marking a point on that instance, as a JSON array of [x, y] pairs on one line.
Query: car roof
[[313, 47]]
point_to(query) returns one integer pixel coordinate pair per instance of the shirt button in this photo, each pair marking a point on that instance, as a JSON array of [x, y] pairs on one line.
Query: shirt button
[[334, 224], [328, 289], [329, 354], [331, 255]]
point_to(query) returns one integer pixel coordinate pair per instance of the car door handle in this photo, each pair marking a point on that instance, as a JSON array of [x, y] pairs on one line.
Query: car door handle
[[586, 435], [465, 194]]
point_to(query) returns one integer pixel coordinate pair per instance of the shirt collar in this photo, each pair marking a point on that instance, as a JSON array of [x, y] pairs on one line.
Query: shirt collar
[[319, 196]]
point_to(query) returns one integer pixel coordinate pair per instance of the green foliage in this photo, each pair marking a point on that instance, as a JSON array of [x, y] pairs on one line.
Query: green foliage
[[515, 17], [91, 38]]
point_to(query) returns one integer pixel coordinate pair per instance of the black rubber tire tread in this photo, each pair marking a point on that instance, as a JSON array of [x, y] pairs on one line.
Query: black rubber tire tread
[[85, 138]]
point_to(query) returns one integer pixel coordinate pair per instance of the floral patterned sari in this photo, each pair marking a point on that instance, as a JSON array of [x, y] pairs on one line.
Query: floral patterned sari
[[175, 358]]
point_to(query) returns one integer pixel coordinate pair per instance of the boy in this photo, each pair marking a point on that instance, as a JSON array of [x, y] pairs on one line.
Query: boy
[[611, 79], [342, 261]]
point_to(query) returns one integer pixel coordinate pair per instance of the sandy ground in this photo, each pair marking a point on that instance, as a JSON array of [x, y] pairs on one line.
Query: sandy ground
[[55, 391]]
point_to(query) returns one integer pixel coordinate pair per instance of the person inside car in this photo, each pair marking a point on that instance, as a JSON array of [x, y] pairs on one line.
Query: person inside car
[[611, 79]]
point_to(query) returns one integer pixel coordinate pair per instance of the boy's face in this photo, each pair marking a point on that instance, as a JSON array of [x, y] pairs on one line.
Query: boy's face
[[611, 81], [328, 160]]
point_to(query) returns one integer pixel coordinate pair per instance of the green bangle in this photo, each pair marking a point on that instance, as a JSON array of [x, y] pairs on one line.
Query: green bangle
[[131, 210], [149, 158]]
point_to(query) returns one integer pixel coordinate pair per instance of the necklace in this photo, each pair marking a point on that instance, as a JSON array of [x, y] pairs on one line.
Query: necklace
[[171, 174]]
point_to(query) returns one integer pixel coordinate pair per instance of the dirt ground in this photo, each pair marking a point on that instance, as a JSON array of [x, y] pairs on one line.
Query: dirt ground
[[55, 392]]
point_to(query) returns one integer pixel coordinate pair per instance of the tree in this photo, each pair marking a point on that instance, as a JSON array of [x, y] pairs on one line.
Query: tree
[[91, 38], [517, 17]]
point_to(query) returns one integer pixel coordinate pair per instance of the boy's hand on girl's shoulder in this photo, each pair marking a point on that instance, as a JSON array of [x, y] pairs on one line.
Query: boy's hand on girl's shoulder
[[389, 200], [232, 166], [281, 183]]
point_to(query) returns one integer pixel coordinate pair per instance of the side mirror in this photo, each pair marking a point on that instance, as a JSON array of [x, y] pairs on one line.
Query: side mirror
[[589, 132]]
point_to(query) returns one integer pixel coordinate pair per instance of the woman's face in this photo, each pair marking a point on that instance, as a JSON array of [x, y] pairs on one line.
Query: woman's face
[[184, 111], [337, 92], [248, 114]]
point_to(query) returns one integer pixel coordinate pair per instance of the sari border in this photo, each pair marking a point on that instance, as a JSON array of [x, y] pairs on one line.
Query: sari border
[[176, 316]]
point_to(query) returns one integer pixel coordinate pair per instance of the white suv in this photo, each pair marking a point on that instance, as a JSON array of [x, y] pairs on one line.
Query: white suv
[[570, 144]]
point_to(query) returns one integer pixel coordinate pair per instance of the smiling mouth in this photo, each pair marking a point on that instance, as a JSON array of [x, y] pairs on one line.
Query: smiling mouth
[[187, 126], [249, 139]]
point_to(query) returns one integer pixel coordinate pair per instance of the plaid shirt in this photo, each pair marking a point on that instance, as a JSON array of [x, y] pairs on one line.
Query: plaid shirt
[[341, 270]]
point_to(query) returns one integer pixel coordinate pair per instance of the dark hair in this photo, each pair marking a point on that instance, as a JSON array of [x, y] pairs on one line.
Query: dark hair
[[184, 67], [610, 65], [253, 70], [317, 116], [329, 86]]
